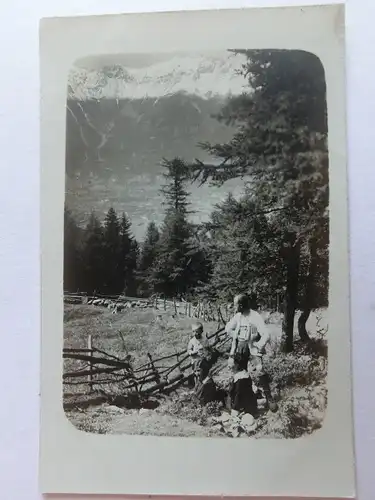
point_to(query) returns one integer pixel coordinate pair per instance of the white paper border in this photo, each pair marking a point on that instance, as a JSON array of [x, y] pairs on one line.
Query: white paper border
[[76, 462]]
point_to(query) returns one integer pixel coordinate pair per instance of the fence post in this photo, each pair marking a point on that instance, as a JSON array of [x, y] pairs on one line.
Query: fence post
[[90, 377], [153, 368], [220, 318], [178, 360]]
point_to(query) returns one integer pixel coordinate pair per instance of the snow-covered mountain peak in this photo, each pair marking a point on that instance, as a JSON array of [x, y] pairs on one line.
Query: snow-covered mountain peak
[[203, 75]]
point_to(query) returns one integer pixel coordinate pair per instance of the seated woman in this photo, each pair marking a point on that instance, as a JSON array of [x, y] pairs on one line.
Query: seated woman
[[206, 391], [241, 396]]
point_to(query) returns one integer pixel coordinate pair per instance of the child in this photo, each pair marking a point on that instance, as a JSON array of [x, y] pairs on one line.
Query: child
[[196, 350], [202, 355], [196, 343]]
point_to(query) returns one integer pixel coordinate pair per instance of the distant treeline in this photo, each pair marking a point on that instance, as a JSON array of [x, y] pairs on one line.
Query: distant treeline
[[232, 252], [105, 258]]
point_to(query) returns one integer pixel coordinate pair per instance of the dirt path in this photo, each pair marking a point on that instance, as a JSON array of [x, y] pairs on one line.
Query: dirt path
[[107, 419], [149, 422]]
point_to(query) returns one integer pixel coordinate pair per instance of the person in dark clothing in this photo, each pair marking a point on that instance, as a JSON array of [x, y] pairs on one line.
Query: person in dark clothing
[[241, 396], [206, 391]]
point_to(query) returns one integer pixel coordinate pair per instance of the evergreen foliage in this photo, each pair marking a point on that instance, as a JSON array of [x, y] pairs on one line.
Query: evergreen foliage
[[180, 264]]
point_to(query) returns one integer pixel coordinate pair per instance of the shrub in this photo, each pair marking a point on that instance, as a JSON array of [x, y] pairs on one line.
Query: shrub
[[300, 413], [300, 378], [306, 365]]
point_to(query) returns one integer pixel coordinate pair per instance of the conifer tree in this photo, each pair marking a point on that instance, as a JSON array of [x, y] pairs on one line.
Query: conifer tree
[[179, 264], [148, 254], [176, 175], [73, 277], [243, 249], [93, 256], [127, 257], [113, 279]]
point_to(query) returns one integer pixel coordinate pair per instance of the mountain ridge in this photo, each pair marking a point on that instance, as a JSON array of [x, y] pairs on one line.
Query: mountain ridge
[[197, 74]]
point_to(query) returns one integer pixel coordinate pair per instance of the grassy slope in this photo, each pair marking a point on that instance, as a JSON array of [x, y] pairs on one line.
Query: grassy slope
[[134, 332], [300, 377]]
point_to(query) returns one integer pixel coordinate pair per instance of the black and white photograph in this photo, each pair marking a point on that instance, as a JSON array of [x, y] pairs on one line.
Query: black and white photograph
[[195, 258], [196, 244]]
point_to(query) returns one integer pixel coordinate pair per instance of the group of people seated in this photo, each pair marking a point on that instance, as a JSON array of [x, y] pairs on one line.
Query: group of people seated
[[249, 336]]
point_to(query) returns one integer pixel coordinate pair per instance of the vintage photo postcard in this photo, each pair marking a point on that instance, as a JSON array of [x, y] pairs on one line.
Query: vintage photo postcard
[[195, 299]]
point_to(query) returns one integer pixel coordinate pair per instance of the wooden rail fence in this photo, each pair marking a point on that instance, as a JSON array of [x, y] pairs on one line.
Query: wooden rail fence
[[205, 310], [156, 375], [201, 309]]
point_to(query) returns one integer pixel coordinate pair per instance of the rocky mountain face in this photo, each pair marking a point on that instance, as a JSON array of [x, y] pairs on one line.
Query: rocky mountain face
[[121, 123]]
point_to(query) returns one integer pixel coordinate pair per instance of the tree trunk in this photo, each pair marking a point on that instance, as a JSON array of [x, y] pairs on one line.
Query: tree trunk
[[292, 264], [302, 320], [309, 293]]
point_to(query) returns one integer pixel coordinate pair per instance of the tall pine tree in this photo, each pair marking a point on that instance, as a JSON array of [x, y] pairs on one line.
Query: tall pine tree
[[176, 175], [73, 236], [94, 256], [127, 258], [179, 265], [148, 254], [113, 279]]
